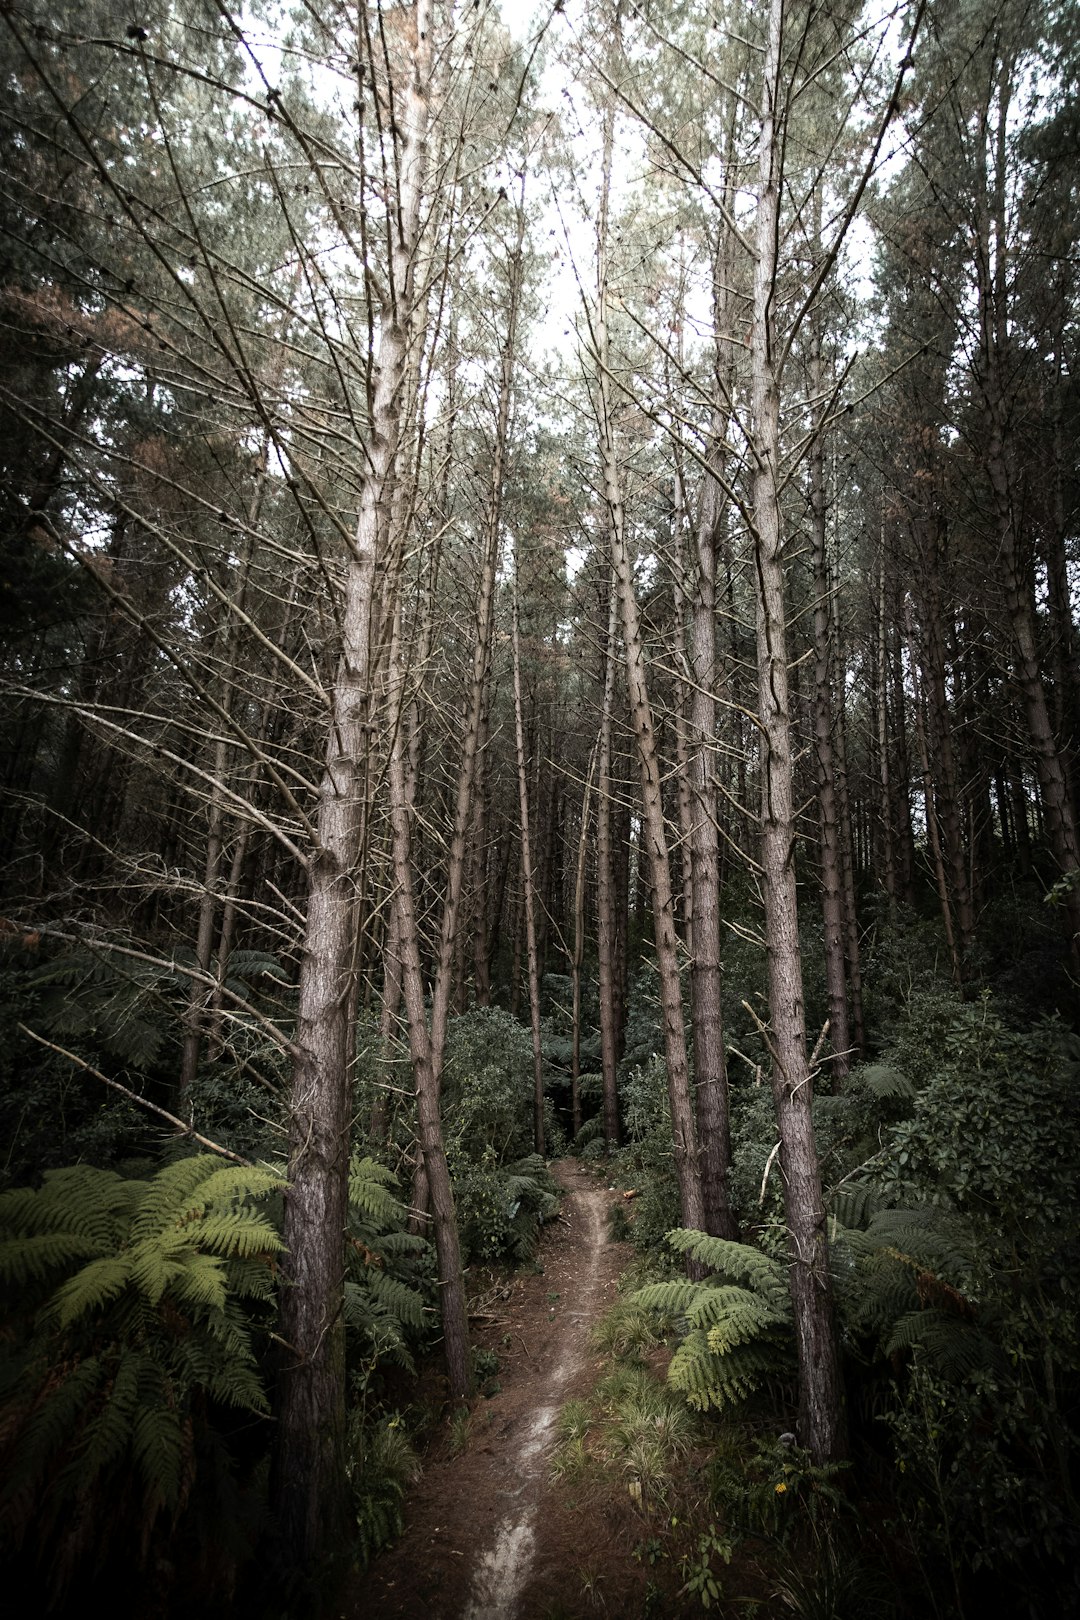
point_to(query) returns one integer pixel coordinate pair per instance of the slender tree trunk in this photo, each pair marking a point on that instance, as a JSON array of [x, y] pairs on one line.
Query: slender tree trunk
[[529, 893], [452, 1303], [832, 903], [309, 1477], [881, 687], [606, 954], [579, 945], [654, 834], [943, 753], [933, 836], [821, 1420], [992, 265], [706, 985]]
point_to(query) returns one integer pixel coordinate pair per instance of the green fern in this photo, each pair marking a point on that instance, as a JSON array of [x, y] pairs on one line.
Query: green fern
[[886, 1083], [736, 1324], [387, 1307], [909, 1283], [854, 1203], [591, 1131], [126, 1314]]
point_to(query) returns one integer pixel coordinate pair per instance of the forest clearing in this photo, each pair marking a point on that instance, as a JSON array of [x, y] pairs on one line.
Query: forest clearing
[[539, 805]]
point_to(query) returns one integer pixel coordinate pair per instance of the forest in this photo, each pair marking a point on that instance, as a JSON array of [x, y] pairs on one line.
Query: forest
[[538, 629]]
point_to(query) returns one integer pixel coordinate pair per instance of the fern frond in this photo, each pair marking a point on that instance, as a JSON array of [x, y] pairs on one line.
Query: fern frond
[[736, 1260], [955, 1347], [158, 1446], [732, 1316], [591, 1131], [707, 1379], [666, 1298], [406, 1303], [27, 1260], [884, 1081], [371, 1195], [91, 1289], [854, 1203]]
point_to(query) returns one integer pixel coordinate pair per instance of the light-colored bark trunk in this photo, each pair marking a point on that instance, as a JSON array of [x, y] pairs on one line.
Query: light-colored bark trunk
[[309, 1478], [852, 948], [832, 903], [606, 952], [452, 1304], [653, 831], [529, 893], [821, 1422], [579, 944]]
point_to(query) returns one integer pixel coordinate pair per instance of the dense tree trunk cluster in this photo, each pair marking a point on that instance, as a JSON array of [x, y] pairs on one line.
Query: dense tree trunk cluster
[[441, 561]]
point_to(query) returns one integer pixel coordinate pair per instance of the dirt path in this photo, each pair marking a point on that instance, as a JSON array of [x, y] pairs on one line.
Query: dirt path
[[486, 1537]]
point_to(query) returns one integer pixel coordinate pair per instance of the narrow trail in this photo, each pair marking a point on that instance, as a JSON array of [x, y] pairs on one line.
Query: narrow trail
[[486, 1536]]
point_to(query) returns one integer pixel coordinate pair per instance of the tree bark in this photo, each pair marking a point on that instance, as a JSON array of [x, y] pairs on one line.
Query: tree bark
[[654, 835], [821, 1420], [607, 957], [309, 1478], [832, 903], [532, 959]]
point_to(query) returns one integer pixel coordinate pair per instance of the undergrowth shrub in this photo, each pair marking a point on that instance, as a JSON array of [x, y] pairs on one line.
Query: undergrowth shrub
[[974, 1290], [128, 1339], [735, 1326], [502, 1189], [389, 1279]]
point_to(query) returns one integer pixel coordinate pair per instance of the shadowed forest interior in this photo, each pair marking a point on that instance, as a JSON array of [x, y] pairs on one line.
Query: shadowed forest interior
[[538, 620]]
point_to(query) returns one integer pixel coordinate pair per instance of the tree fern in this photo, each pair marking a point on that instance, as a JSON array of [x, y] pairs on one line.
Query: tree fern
[[736, 1325], [910, 1282], [885, 1082], [125, 1316]]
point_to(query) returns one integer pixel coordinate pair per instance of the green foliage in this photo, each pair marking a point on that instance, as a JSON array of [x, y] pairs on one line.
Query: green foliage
[[127, 1325], [701, 1579], [735, 1324], [382, 1465], [488, 1084], [388, 1308], [634, 1425], [502, 1189], [955, 1258], [996, 1116], [114, 1004], [501, 1207], [50, 1114], [647, 1163]]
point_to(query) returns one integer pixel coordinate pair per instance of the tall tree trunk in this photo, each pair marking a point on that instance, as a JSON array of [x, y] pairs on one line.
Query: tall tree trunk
[[309, 1479], [452, 1304], [527, 883], [706, 985], [653, 831], [579, 945], [606, 953], [832, 903], [821, 1419], [992, 264]]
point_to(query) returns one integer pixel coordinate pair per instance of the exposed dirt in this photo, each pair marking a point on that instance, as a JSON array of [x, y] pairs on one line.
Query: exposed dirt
[[487, 1536]]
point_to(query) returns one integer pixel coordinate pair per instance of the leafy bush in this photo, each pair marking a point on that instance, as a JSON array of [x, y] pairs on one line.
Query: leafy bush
[[502, 1189], [958, 1283], [501, 1207]]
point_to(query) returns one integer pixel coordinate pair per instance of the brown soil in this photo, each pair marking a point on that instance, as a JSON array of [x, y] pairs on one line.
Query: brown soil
[[488, 1536]]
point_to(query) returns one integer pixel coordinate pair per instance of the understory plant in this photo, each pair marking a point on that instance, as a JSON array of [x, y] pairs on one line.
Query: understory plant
[[127, 1357]]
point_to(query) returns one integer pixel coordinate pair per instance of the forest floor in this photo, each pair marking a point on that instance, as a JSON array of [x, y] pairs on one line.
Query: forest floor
[[489, 1535]]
